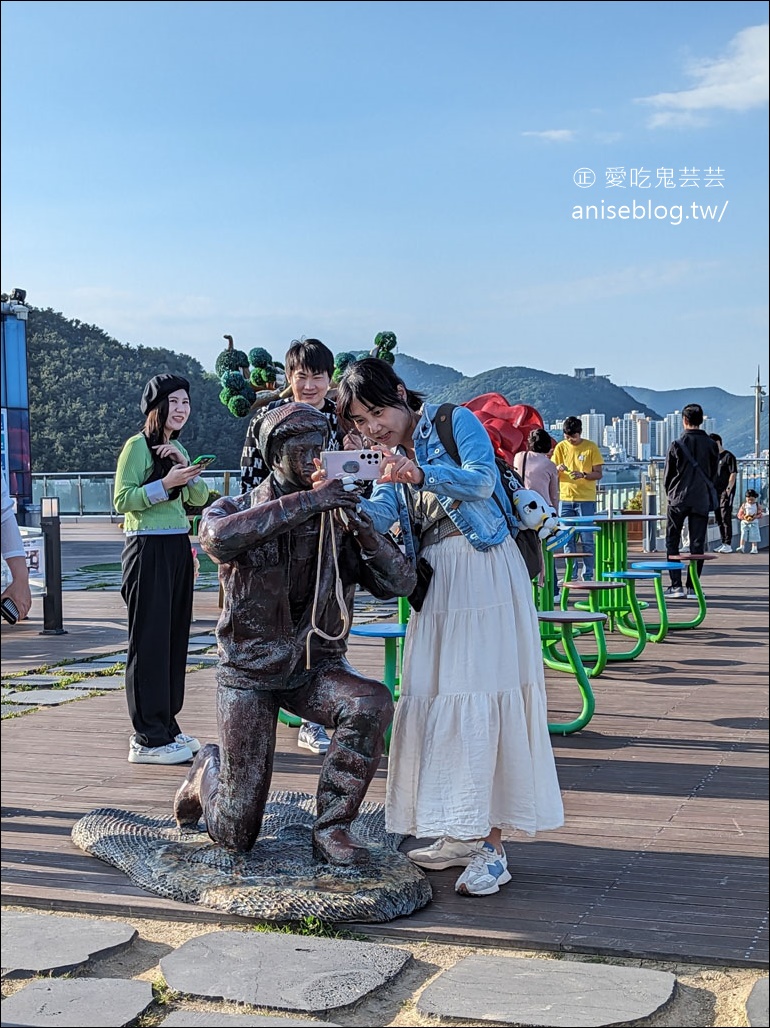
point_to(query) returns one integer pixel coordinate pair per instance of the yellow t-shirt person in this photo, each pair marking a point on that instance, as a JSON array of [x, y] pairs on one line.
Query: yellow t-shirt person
[[578, 458]]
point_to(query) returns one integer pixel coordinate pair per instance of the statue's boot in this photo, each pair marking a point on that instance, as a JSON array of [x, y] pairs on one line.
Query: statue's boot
[[345, 777], [201, 781]]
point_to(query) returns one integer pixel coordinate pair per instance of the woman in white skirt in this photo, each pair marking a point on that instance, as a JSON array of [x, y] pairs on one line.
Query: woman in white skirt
[[470, 755]]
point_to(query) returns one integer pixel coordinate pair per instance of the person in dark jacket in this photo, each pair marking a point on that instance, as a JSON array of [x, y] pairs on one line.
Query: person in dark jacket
[[688, 478], [727, 472], [289, 570]]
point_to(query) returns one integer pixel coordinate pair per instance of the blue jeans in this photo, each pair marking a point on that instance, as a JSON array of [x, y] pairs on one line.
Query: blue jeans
[[576, 509]]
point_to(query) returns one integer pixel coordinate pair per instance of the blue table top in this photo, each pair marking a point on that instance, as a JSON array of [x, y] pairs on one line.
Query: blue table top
[[384, 631], [658, 565]]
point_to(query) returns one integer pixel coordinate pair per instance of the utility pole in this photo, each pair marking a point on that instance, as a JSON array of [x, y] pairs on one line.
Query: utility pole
[[759, 392]]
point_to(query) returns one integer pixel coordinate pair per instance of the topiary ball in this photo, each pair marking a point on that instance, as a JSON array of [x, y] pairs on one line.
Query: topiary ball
[[230, 360], [259, 357], [234, 381], [239, 406]]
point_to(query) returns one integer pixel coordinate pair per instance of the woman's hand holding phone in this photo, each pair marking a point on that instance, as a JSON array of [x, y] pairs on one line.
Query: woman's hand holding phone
[[179, 476]]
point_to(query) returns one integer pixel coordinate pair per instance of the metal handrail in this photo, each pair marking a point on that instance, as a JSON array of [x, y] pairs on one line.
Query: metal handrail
[[76, 497]]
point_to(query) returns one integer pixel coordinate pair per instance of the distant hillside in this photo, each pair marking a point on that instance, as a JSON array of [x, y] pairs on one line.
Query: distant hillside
[[84, 391], [85, 388], [555, 396], [734, 414]]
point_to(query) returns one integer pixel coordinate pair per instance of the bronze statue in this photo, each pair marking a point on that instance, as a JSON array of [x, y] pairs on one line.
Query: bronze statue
[[289, 570]]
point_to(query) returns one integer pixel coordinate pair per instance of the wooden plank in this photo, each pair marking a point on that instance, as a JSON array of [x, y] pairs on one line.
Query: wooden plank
[[664, 850]]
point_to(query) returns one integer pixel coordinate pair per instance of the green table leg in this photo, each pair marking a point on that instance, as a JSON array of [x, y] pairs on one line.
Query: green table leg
[[656, 631], [678, 626], [589, 703], [598, 661], [389, 678]]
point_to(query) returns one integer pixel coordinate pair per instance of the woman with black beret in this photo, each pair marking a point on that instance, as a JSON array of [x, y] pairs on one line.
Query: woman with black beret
[[154, 480]]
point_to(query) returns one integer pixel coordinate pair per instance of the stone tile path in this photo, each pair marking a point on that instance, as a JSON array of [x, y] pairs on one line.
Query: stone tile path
[[295, 975]]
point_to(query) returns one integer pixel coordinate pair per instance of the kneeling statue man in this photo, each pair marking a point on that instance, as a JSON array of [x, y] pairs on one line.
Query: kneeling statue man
[[289, 570]]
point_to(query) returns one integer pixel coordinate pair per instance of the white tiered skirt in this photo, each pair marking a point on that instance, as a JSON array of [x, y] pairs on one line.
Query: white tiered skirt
[[470, 749]]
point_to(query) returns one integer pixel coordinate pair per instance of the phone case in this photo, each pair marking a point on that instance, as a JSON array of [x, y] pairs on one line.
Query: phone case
[[363, 465]]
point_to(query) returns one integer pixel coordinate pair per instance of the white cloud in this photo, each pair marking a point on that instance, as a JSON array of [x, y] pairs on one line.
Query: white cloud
[[554, 135], [736, 81]]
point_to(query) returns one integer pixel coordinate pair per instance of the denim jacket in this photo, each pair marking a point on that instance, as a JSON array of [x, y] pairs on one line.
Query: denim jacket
[[464, 491]]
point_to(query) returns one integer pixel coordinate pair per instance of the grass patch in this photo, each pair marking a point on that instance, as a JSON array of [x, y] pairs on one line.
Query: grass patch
[[309, 925]]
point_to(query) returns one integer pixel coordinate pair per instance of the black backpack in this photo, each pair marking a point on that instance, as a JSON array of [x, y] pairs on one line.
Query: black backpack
[[526, 538]]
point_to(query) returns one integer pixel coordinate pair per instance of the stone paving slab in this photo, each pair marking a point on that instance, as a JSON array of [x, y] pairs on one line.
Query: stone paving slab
[[104, 682], [196, 1019], [523, 991], [757, 1009], [201, 641], [286, 972], [45, 944], [31, 680], [203, 658], [78, 1003], [87, 667], [46, 697], [8, 708]]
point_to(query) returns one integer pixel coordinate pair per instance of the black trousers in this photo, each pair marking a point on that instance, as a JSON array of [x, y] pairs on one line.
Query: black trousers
[[158, 593], [697, 525], [724, 516]]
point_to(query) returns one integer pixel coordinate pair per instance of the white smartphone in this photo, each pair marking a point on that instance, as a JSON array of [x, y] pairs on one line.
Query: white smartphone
[[363, 465]]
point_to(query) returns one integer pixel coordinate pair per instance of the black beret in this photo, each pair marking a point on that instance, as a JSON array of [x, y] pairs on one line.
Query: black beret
[[159, 388]]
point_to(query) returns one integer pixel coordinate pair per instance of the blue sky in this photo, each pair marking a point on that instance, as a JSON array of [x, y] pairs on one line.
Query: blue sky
[[176, 171]]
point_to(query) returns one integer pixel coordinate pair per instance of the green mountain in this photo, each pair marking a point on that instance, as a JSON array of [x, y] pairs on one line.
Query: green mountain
[[555, 396], [734, 415], [85, 387], [84, 391]]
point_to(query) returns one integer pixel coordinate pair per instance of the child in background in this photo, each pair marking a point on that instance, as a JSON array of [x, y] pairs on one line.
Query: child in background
[[749, 514]]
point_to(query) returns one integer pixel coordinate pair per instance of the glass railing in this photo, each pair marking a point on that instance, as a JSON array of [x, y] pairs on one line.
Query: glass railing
[[86, 493], [90, 493]]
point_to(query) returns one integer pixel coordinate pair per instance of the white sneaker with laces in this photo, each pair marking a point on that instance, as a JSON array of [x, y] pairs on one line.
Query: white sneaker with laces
[[445, 852], [485, 874], [313, 737], [189, 741], [171, 753]]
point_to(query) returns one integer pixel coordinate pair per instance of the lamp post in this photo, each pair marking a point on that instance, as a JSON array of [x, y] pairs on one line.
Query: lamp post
[[759, 392], [52, 601]]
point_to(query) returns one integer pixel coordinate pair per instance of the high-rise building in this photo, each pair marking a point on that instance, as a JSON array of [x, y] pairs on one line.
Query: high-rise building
[[593, 427]]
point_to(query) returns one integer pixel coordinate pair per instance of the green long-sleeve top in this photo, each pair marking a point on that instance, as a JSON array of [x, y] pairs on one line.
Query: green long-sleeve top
[[147, 508]]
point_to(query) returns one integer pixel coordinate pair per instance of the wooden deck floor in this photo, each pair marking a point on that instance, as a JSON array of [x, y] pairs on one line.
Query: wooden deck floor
[[664, 850]]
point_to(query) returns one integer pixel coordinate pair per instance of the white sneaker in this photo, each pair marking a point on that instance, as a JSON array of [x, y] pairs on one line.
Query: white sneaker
[[172, 753], [724, 548], [189, 741], [313, 737], [754, 549], [485, 874], [446, 852]]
